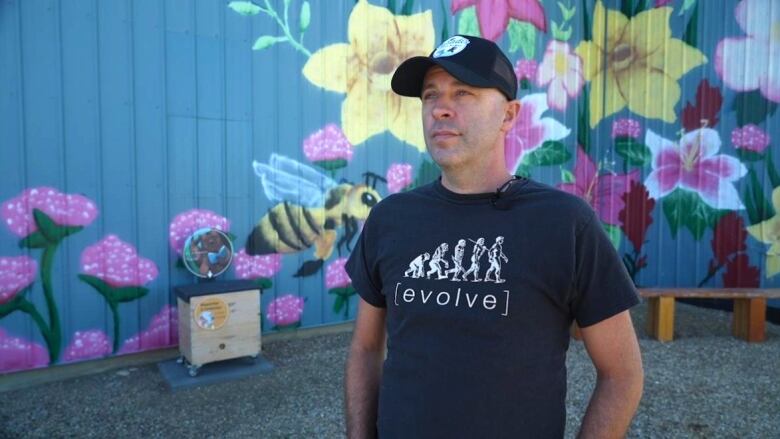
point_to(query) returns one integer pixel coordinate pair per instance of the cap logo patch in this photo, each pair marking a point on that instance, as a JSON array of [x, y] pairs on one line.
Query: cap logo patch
[[451, 47]]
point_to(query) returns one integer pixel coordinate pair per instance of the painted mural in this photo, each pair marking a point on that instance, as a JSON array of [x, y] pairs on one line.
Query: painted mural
[[274, 122]]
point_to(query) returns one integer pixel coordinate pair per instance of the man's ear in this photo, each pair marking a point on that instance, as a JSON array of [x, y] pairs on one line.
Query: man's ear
[[511, 111]]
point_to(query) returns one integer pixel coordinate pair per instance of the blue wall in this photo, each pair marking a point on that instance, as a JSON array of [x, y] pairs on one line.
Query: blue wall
[[153, 108]]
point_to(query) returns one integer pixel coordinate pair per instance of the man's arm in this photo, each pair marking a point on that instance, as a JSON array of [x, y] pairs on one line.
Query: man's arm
[[364, 371], [614, 350]]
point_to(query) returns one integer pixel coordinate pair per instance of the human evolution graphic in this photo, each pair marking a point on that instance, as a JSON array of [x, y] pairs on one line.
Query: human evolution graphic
[[436, 266]]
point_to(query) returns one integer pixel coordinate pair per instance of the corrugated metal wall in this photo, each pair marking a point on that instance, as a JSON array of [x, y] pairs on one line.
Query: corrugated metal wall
[[150, 109]]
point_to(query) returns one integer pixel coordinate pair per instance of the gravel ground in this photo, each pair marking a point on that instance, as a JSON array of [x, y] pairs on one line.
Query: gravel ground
[[704, 384]]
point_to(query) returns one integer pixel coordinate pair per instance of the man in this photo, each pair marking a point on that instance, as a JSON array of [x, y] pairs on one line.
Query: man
[[457, 260], [495, 256], [482, 359], [437, 260], [417, 266]]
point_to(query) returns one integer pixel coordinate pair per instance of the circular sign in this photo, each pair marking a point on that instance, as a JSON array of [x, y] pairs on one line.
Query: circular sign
[[207, 252], [452, 46], [211, 314]]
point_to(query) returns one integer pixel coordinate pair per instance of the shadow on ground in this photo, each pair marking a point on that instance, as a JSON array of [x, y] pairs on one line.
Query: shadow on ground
[[704, 384]]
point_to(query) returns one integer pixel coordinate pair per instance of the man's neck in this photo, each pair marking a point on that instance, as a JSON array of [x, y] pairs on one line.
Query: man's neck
[[474, 182]]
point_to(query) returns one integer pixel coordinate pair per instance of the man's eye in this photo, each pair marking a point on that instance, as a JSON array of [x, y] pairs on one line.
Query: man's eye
[[428, 96], [462, 93]]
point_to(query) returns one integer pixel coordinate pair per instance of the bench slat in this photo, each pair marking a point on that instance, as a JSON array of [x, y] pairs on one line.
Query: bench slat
[[712, 293]]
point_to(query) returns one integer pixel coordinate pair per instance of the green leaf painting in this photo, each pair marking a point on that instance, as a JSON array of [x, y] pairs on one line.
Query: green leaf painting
[[305, 17], [634, 153], [686, 209], [567, 176], [561, 33], [752, 108], [342, 299], [51, 231], [583, 121], [691, 29], [407, 8], [614, 234], [758, 206], [567, 12], [749, 156], [426, 173], [467, 22], [246, 8], [550, 153], [264, 283], [687, 4], [771, 169], [331, 165], [445, 22], [522, 36], [114, 296], [267, 41], [282, 19], [33, 240]]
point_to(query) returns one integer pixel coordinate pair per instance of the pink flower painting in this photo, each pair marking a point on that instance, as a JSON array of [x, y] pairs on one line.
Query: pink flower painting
[[750, 138], [531, 130], [285, 310], [255, 267], [335, 274], [626, 127], [16, 274], [163, 331], [561, 72], [399, 176], [185, 223], [63, 209], [86, 345], [694, 164], [116, 263], [19, 354], [750, 62], [494, 15], [526, 69], [327, 144], [603, 192]]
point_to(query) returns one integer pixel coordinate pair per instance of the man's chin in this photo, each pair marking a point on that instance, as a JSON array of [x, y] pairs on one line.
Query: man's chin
[[445, 159]]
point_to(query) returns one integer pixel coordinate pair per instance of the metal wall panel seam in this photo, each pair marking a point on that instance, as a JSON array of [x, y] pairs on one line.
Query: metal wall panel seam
[[166, 156], [66, 247], [133, 140], [196, 112], [31, 329]]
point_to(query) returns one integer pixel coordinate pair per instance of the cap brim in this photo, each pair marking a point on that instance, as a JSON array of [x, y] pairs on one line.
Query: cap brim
[[408, 77]]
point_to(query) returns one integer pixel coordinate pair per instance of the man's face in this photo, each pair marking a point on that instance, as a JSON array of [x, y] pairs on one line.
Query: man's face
[[463, 125]]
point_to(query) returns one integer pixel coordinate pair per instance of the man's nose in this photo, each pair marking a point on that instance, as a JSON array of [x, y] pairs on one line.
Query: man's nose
[[442, 109]]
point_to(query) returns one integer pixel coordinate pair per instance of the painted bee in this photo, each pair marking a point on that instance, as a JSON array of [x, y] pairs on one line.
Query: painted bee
[[310, 208]]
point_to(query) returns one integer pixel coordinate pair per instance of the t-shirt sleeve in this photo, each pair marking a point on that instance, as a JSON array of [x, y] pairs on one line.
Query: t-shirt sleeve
[[602, 286], [362, 267]]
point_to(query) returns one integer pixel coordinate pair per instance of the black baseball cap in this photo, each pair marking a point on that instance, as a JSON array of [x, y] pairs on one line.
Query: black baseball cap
[[472, 60]]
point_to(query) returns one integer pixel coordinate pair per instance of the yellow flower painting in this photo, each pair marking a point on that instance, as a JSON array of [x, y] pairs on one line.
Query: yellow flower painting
[[378, 42], [768, 232], [635, 63]]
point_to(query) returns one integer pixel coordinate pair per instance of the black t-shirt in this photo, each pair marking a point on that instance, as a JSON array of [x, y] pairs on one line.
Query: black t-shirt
[[479, 305]]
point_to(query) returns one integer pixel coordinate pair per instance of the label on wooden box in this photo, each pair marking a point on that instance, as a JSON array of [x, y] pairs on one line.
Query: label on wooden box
[[211, 313]]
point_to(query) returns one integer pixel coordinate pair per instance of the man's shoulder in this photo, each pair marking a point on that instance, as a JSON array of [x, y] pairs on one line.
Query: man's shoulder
[[404, 198], [556, 199]]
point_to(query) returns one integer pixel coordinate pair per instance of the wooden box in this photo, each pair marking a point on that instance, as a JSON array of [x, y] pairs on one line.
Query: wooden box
[[218, 321]]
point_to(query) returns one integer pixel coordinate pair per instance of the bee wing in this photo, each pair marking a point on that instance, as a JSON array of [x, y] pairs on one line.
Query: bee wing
[[285, 179]]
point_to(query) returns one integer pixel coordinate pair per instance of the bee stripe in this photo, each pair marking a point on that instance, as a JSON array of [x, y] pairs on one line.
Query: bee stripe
[[311, 221], [280, 231], [294, 223]]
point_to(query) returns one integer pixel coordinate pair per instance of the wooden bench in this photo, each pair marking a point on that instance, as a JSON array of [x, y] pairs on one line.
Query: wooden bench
[[748, 320]]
